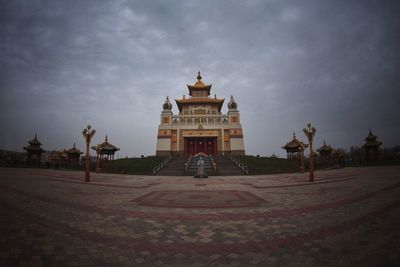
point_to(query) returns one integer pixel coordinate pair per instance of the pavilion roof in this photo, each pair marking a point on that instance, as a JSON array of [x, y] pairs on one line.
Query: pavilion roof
[[105, 146], [372, 140], [34, 145], [73, 150], [325, 148], [35, 141], [294, 144]]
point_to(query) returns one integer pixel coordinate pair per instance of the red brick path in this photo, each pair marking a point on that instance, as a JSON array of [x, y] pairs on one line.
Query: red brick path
[[347, 217]]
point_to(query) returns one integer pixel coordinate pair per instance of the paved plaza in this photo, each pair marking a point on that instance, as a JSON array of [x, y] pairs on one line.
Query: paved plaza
[[347, 217]]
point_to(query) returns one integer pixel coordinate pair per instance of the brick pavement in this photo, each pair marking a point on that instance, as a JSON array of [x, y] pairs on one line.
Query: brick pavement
[[348, 217]]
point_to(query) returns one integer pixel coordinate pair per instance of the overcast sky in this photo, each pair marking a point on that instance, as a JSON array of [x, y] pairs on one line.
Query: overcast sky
[[66, 64]]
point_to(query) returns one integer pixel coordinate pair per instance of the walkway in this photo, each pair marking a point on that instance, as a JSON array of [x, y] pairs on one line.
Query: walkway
[[348, 217]]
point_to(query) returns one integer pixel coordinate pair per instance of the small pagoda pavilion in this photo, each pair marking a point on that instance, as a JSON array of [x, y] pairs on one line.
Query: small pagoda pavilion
[[371, 147], [73, 155], [294, 148], [34, 151], [58, 158], [325, 151], [105, 151]]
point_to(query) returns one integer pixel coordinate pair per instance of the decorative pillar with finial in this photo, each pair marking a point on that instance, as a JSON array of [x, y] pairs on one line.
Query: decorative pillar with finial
[[88, 133], [310, 132]]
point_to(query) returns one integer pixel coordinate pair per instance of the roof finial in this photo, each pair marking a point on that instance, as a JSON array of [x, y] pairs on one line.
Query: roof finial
[[36, 136], [106, 139], [324, 142], [232, 104], [294, 135], [74, 145], [198, 76]]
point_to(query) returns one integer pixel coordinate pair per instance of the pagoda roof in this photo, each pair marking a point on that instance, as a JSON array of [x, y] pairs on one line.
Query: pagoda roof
[[371, 140], [370, 136], [294, 144], [325, 147], [199, 100], [35, 141], [105, 146], [34, 145], [199, 85], [73, 150]]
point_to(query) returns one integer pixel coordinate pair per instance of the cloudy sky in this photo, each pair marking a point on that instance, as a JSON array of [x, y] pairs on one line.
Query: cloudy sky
[[66, 64]]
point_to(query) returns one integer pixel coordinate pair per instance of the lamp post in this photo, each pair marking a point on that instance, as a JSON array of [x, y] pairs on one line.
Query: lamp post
[[310, 132], [302, 158], [87, 135]]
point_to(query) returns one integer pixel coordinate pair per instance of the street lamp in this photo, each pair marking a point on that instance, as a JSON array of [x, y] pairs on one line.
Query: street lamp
[[88, 134], [310, 132], [302, 147]]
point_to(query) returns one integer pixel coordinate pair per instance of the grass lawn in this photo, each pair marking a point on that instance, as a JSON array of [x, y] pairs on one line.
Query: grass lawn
[[131, 165], [268, 165]]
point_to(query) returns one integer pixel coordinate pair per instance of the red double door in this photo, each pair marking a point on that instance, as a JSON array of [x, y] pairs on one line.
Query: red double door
[[201, 144]]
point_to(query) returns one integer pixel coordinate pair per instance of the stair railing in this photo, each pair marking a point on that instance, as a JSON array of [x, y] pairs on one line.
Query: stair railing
[[162, 164], [243, 167], [188, 163], [213, 163]]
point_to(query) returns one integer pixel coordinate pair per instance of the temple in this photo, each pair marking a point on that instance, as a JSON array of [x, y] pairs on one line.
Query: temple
[[73, 155], [325, 151], [34, 151], [200, 126], [371, 147]]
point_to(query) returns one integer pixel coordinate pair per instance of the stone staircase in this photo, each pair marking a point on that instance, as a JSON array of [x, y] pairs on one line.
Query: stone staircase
[[176, 167], [226, 167], [208, 166]]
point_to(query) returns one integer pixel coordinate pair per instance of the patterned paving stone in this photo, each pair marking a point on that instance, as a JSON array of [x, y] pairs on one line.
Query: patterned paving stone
[[348, 217]]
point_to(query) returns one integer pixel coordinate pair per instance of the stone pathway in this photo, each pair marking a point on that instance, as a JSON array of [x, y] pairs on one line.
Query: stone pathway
[[347, 217]]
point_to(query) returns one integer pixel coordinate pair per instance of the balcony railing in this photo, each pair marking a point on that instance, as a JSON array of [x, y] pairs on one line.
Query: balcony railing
[[200, 119]]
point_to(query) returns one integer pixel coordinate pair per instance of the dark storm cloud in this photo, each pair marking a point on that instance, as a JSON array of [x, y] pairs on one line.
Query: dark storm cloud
[[65, 64]]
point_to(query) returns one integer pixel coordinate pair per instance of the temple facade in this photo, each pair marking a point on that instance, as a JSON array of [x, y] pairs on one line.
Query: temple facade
[[200, 126]]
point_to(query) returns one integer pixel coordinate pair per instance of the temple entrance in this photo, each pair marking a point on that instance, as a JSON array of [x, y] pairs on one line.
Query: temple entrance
[[207, 145]]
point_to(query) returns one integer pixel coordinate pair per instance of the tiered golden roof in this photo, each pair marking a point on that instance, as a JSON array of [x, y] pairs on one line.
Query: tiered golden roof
[[73, 150], [325, 148], [105, 147], [34, 145], [372, 140], [199, 86], [294, 144]]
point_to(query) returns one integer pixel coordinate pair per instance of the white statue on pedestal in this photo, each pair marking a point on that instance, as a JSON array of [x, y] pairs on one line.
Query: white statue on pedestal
[[200, 167]]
